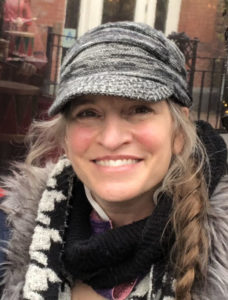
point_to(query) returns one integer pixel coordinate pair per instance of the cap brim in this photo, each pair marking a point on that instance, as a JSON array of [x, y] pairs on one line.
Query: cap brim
[[110, 85]]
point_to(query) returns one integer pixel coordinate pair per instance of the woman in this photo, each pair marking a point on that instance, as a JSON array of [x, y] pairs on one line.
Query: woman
[[134, 203]]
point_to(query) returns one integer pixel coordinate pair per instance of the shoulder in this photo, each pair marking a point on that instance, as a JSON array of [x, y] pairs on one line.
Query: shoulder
[[3, 227], [4, 230], [23, 190], [218, 225], [4, 236], [217, 277], [218, 216]]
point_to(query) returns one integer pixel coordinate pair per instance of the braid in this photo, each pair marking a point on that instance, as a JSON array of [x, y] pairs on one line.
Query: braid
[[191, 247], [185, 181]]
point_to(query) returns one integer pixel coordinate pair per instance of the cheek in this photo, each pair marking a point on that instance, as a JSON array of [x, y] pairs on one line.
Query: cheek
[[153, 137], [78, 139]]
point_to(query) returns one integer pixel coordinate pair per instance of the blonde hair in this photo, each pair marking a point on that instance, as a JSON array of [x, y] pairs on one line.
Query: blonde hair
[[184, 181], [45, 140]]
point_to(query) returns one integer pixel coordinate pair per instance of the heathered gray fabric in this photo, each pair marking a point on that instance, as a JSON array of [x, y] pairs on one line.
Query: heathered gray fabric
[[124, 59]]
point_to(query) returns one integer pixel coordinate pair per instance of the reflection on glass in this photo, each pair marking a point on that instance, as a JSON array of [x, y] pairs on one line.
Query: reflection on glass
[[21, 30], [118, 10], [17, 15]]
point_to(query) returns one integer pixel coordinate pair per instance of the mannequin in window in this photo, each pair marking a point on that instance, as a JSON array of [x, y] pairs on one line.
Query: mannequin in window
[[17, 15]]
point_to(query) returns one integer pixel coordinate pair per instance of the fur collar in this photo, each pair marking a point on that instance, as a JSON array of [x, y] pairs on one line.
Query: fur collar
[[24, 193]]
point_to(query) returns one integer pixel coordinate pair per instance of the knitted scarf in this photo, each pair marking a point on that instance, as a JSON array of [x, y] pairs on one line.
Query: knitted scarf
[[63, 234], [118, 255]]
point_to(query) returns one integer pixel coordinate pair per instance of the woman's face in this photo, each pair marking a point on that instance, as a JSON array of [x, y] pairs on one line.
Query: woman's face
[[120, 149]]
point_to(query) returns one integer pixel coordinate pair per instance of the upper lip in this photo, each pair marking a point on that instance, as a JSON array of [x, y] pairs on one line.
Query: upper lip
[[116, 157]]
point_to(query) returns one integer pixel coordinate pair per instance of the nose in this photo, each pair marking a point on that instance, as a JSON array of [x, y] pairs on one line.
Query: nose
[[114, 133]]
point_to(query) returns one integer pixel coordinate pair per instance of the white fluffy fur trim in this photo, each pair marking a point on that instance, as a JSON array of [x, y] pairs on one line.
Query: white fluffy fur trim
[[24, 191]]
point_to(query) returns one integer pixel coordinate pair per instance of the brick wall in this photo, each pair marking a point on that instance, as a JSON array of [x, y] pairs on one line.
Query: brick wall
[[48, 13], [199, 18]]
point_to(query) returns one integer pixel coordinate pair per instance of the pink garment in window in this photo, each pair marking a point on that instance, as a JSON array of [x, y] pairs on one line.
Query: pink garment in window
[[14, 9]]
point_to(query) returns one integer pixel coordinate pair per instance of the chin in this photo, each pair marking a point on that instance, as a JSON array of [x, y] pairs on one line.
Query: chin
[[116, 195]]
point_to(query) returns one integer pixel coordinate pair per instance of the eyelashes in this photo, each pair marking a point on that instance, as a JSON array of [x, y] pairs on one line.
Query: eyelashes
[[87, 113], [133, 111], [141, 109]]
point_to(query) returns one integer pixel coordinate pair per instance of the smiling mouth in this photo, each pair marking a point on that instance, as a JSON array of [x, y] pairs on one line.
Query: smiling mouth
[[116, 162]]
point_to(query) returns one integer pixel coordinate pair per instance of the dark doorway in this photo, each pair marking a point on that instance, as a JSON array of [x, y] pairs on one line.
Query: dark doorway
[[118, 10], [161, 14]]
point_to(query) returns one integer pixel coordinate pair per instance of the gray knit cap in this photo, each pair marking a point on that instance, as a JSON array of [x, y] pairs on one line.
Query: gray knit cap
[[124, 59]]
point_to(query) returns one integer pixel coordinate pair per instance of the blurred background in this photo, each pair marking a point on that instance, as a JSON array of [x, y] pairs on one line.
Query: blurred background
[[36, 34]]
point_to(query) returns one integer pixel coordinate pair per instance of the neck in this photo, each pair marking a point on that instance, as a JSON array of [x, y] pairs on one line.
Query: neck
[[128, 211]]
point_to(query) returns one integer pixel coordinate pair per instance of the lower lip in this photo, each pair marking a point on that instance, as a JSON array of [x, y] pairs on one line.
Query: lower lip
[[118, 169]]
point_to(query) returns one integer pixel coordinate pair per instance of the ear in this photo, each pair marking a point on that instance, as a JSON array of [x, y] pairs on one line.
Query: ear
[[185, 111], [178, 142]]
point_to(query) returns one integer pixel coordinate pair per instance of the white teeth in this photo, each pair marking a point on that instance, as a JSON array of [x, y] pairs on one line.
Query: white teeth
[[116, 163]]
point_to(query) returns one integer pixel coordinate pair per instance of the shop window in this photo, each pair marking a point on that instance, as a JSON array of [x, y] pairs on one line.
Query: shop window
[[26, 43], [161, 14], [118, 10], [29, 61]]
